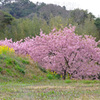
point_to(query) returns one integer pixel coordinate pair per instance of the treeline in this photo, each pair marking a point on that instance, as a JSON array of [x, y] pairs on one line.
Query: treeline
[[24, 18]]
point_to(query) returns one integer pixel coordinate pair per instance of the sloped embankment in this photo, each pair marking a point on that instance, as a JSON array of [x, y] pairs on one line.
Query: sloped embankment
[[19, 68]]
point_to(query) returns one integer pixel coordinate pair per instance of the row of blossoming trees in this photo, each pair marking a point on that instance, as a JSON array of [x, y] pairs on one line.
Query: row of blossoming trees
[[62, 51]]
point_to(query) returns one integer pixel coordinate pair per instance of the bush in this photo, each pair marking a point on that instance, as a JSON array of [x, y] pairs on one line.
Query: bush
[[53, 75]]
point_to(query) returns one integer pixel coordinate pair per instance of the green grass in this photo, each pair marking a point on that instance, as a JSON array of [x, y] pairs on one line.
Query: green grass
[[83, 81], [50, 90], [19, 68]]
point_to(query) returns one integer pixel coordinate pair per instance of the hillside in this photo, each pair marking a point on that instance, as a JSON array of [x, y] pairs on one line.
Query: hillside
[[26, 8], [19, 68]]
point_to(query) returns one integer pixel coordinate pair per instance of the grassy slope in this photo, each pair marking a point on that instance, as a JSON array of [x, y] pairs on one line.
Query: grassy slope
[[17, 68]]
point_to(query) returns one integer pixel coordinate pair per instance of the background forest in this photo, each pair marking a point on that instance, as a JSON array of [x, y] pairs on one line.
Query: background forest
[[23, 18]]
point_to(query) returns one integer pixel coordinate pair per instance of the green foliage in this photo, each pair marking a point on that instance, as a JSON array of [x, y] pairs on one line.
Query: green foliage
[[97, 23], [1, 69], [10, 61], [8, 71], [50, 76], [82, 81], [21, 8], [79, 16], [22, 28], [34, 77], [17, 67], [89, 81], [41, 78], [33, 17], [87, 28], [70, 81], [42, 69], [25, 62], [20, 68], [53, 75], [5, 19]]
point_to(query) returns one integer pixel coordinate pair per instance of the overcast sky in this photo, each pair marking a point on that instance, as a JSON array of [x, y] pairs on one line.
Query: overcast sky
[[91, 5]]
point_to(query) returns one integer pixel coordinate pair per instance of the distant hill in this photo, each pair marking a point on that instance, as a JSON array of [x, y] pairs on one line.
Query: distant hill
[[26, 8], [55, 10]]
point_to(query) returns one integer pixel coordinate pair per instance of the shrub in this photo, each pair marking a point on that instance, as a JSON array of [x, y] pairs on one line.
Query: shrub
[[53, 75]]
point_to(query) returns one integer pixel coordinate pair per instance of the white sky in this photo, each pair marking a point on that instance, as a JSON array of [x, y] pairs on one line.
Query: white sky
[[92, 6]]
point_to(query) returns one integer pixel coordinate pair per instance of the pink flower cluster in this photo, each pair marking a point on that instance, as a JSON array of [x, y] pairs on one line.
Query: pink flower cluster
[[61, 51]]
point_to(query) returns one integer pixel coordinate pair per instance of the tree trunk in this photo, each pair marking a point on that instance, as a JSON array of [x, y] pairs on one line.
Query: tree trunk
[[64, 75]]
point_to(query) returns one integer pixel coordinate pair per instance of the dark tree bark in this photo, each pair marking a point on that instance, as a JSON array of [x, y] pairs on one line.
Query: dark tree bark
[[64, 75]]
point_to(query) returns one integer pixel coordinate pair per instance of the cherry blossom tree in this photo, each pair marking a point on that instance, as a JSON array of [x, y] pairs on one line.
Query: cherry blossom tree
[[62, 51]]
